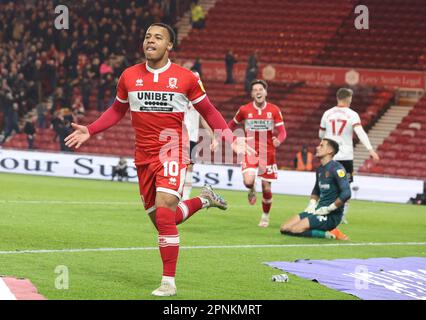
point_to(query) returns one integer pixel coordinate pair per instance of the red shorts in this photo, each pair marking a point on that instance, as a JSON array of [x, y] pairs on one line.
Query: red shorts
[[266, 169], [166, 177]]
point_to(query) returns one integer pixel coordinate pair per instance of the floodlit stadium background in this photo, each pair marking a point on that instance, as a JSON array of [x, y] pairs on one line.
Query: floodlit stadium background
[[306, 50]]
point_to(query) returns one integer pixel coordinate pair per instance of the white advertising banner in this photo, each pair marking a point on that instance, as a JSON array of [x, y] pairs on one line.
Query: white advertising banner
[[61, 164], [221, 177], [302, 183]]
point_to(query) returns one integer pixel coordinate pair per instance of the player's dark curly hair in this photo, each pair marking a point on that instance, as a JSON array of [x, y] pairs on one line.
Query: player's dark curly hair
[[334, 145], [259, 81], [172, 34]]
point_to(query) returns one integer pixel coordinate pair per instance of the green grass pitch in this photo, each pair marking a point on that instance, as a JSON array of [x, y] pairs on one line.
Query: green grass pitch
[[39, 213]]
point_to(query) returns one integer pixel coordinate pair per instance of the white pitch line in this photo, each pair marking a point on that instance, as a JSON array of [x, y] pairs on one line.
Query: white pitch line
[[249, 246]]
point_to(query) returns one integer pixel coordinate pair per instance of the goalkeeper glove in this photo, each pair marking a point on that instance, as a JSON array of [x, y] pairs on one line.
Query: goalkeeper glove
[[325, 210], [312, 206]]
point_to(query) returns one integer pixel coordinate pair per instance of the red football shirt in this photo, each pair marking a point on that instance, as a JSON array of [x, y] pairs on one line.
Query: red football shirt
[[260, 123], [158, 99]]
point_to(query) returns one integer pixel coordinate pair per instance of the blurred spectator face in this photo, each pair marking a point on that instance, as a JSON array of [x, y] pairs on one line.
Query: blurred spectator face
[[157, 43], [38, 64], [105, 51]]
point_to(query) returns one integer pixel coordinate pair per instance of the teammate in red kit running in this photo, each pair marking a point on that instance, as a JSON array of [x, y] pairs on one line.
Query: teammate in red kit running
[[157, 93], [260, 119]]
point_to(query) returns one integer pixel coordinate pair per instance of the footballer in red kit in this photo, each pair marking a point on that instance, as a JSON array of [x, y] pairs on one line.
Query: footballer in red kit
[[157, 93], [158, 100], [260, 119]]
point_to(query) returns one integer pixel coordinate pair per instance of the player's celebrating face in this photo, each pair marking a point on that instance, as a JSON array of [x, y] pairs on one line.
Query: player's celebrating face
[[157, 44], [259, 93]]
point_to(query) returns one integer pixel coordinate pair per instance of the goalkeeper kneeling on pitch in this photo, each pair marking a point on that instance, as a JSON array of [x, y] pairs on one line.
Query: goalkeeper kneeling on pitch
[[325, 211]]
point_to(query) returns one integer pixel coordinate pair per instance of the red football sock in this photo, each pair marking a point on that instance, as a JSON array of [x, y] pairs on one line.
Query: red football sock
[[168, 240], [187, 208], [267, 201]]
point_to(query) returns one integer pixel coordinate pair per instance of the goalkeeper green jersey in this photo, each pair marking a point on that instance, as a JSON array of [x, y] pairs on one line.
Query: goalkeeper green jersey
[[331, 183]]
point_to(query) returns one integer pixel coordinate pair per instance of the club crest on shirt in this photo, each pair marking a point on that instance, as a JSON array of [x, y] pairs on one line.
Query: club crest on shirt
[[327, 174], [341, 173], [250, 115], [172, 83], [269, 115]]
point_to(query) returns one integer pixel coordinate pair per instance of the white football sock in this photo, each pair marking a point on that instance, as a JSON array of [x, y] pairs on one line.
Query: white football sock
[[170, 280], [265, 216]]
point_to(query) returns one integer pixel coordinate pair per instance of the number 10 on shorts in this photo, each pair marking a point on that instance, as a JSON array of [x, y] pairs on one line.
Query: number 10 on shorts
[[171, 168]]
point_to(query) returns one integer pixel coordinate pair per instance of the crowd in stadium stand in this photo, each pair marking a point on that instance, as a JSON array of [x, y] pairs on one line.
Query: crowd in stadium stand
[[54, 72]]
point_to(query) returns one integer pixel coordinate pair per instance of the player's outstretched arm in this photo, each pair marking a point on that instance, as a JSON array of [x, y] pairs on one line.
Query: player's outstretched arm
[[240, 146], [215, 120], [109, 118], [78, 137], [215, 144]]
